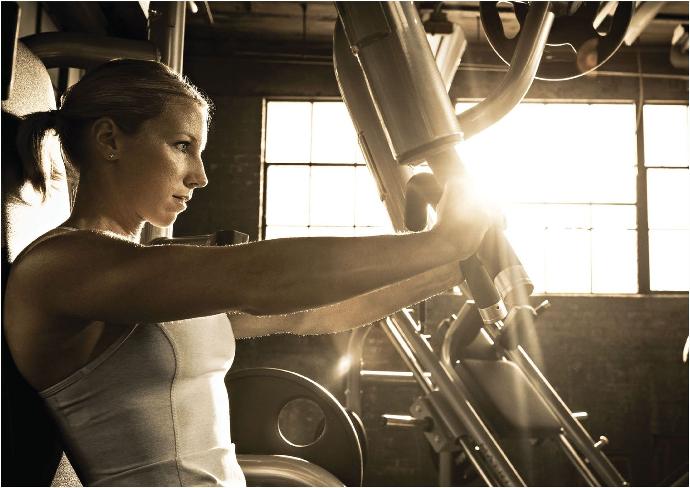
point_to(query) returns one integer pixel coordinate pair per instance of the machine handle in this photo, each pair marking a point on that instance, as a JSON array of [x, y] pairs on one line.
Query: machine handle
[[483, 290]]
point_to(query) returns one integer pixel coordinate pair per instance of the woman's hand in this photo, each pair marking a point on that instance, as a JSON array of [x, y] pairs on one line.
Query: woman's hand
[[463, 218]]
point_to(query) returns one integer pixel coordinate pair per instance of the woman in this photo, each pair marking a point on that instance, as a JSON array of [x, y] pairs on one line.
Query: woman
[[129, 344]]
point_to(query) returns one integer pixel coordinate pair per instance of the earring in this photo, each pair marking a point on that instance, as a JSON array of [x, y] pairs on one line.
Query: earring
[[111, 156]]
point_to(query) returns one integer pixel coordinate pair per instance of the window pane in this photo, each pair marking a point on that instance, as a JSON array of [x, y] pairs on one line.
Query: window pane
[[288, 132], [370, 210], [331, 231], [668, 260], [610, 183], [525, 217], [276, 231], [568, 262], [287, 195], [332, 196], [614, 261], [334, 139], [610, 217], [665, 135], [374, 231], [668, 198], [611, 138], [567, 216], [529, 245]]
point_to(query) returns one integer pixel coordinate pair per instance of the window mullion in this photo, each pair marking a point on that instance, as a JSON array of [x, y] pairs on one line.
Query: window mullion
[[642, 214]]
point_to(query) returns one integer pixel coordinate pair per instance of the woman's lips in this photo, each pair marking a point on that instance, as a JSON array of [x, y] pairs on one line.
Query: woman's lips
[[181, 201]]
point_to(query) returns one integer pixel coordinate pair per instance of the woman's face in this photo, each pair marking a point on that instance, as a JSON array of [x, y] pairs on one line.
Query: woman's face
[[161, 165]]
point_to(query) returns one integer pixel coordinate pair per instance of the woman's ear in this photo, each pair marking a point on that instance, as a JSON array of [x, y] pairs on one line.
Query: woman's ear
[[106, 135]]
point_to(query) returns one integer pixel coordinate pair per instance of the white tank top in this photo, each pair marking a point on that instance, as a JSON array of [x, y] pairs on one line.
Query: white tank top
[[152, 409]]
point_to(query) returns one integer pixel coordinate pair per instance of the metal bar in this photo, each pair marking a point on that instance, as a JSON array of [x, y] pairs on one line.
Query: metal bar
[[445, 468], [167, 31], [407, 355], [353, 389], [477, 464], [516, 83], [643, 271], [76, 50], [455, 393], [577, 461], [572, 428], [644, 14], [390, 376]]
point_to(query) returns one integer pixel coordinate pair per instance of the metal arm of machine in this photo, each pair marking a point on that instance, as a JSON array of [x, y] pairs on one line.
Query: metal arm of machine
[[401, 92], [518, 79], [77, 50]]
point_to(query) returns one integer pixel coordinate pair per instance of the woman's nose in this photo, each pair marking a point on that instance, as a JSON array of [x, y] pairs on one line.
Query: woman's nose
[[197, 176]]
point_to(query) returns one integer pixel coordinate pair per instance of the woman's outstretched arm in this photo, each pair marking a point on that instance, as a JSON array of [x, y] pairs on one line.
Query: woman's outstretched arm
[[91, 276]]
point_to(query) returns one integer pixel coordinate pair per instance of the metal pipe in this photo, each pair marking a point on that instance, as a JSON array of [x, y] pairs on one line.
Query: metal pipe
[[456, 395], [277, 470], [391, 179], [445, 468], [77, 50], [644, 14], [478, 467], [518, 80], [449, 54], [572, 428], [577, 461], [407, 422], [353, 389], [394, 335], [400, 377], [167, 29], [446, 347]]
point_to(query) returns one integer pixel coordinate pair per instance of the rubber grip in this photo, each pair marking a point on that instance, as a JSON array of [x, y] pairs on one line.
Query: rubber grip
[[481, 285]]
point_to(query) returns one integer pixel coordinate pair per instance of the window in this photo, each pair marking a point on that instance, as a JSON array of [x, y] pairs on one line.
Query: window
[[566, 176], [668, 201], [317, 182]]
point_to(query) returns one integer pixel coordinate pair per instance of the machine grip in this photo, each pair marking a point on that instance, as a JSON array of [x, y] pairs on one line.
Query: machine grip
[[483, 290]]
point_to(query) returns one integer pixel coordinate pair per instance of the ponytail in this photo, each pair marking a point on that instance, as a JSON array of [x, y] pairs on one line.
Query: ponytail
[[30, 135]]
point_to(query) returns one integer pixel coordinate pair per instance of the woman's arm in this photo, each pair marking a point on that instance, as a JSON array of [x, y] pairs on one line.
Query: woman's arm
[[348, 314], [92, 276]]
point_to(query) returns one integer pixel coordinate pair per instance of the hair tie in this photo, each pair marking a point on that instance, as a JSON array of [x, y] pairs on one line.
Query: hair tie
[[46, 120]]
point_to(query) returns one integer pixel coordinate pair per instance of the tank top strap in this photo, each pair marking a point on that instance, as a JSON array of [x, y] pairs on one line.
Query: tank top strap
[[48, 235]]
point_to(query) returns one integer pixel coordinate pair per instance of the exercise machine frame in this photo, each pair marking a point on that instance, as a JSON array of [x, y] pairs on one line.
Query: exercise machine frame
[[377, 48]]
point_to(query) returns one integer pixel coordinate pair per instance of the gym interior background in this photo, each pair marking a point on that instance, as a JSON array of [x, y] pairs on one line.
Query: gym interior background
[[582, 166]]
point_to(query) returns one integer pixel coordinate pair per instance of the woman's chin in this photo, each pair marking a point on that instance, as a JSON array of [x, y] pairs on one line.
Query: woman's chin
[[163, 221]]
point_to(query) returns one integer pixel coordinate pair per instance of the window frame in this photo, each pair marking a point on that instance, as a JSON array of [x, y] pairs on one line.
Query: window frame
[[641, 204]]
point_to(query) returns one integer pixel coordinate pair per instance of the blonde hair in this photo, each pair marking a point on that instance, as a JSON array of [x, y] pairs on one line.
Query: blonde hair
[[128, 91]]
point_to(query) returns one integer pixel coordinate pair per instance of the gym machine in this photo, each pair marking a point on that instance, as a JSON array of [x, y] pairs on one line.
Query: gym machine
[[399, 104]]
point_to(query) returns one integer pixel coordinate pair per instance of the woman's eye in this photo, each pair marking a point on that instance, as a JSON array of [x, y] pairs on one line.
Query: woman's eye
[[183, 145]]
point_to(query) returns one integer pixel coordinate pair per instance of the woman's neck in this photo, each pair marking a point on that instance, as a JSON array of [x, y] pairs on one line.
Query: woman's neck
[[96, 209]]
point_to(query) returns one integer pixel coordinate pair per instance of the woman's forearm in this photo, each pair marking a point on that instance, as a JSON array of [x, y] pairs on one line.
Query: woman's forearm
[[290, 275], [353, 312]]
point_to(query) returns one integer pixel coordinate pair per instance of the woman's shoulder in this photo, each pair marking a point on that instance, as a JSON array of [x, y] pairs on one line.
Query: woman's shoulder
[[40, 242], [60, 245]]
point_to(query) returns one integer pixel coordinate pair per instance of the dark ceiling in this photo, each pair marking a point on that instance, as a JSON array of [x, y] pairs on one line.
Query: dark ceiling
[[312, 22], [296, 28]]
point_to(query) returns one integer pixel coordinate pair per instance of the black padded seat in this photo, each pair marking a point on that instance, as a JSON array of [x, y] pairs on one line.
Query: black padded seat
[[31, 448]]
